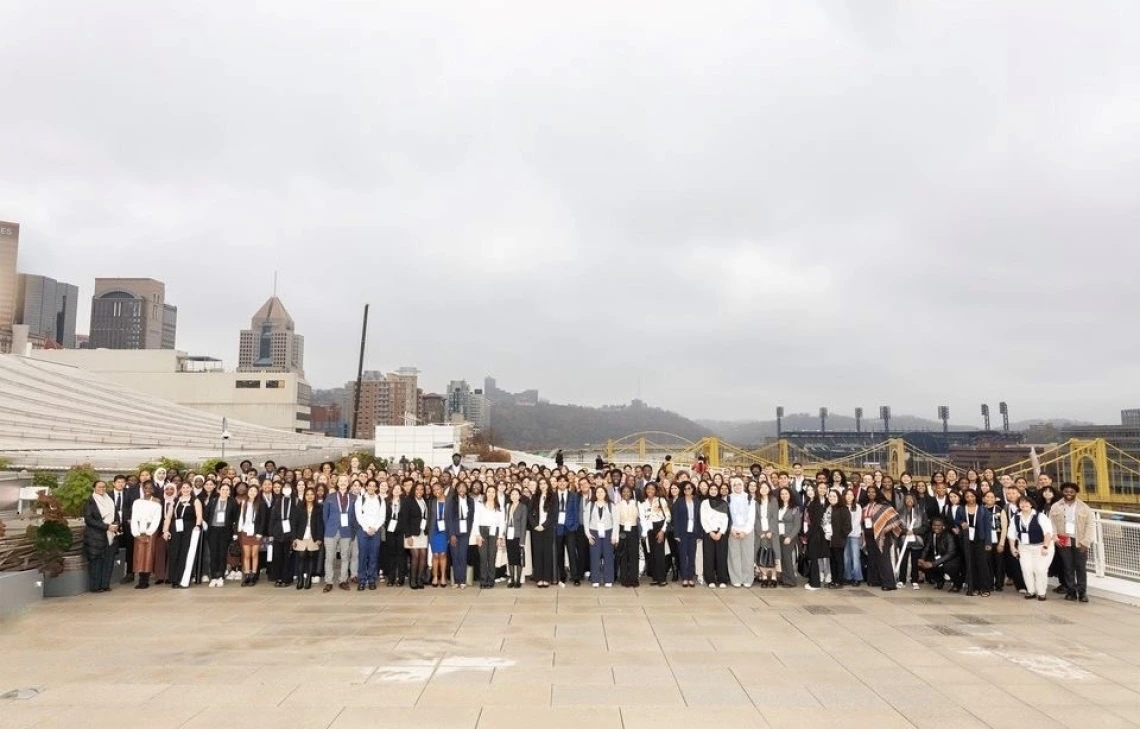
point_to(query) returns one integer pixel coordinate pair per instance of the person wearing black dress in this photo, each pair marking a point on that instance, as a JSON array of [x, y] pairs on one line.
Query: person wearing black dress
[[182, 529], [396, 557], [543, 520]]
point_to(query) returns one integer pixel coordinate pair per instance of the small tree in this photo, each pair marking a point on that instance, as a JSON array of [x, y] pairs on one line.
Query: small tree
[[5, 463], [170, 464], [78, 483], [44, 480], [209, 465]]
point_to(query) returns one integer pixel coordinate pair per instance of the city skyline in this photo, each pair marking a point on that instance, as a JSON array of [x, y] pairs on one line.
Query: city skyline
[[735, 208]]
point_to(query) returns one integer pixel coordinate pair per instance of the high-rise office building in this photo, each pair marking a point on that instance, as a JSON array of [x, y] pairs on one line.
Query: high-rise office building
[[479, 410], [385, 399], [48, 308], [271, 344], [458, 399], [9, 252], [433, 409], [132, 313]]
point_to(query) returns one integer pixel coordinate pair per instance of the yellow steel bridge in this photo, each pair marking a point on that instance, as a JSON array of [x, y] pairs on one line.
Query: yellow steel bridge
[[1108, 476]]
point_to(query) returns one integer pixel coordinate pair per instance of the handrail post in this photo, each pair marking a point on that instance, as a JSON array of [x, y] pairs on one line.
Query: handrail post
[[1098, 548]]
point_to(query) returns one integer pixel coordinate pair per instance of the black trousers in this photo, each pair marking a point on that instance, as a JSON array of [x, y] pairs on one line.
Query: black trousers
[[628, 557], [542, 554], [583, 563], [978, 575], [1011, 567], [565, 549], [657, 569], [716, 560], [280, 569], [179, 552], [836, 556], [938, 575], [874, 569], [127, 541], [219, 542], [908, 567], [396, 558], [1075, 562]]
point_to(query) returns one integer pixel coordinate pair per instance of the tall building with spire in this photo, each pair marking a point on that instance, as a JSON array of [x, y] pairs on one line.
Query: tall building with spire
[[271, 344]]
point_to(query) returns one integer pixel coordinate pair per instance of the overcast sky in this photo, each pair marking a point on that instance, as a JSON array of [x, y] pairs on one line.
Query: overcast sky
[[723, 206]]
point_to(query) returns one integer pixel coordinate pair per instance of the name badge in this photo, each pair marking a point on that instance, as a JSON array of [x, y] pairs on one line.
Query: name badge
[[344, 521], [286, 527], [440, 525], [561, 518], [1025, 537], [179, 526], [867, 523], [1071, 528], [392, 525], [993, 536], [423, 525], [220, 518], [511, 532], [269, 553], [971, 530], [463, 525], [782, 528]]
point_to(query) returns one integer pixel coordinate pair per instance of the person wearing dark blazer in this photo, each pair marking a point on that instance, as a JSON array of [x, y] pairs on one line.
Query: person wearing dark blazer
[[975, 524], [395, 553], [517, 520], [414, 527], [281, 530], [840, 529], [308, 528], [687, 528], [101, 527], [221, 516], [252, 526], [789, 523], [568, 505], [459, 516], [543, 520], [125, 496]]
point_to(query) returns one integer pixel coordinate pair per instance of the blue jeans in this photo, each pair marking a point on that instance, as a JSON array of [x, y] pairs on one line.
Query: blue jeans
[[369, 563], [602, 558], [459, 557], [852, 560]]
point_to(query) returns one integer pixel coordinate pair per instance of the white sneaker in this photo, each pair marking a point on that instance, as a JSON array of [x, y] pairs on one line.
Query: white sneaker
[[609, 584], [914, 586], [712, 586], [221, 582], [316, 580], [562, 584], [809, 587], [899, 585], [737, 584], [723, 586], [594, 585]]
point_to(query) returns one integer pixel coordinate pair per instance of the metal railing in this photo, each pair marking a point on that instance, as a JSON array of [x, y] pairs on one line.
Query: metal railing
[[1117, 549]]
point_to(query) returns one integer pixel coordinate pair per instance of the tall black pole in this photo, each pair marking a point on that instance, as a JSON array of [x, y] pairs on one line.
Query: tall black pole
[[359, 374]]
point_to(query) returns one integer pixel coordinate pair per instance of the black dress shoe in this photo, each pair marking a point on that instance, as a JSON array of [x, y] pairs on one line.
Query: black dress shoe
[[1082, 597], [1072, 596], [360, 587]]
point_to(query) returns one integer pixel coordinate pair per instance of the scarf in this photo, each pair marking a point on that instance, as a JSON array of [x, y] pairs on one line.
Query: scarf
[[106, 511], [717, 504], [886, 521]]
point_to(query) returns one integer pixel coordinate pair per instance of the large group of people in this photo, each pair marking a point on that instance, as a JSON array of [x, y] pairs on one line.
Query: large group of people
[[360, 528]]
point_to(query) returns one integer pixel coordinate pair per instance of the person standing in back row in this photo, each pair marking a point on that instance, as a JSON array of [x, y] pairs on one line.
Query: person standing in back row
[[1076, 532]]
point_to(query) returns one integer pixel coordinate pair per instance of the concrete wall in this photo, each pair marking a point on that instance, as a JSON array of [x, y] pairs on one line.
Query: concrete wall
[[433, 443], [18, 591]]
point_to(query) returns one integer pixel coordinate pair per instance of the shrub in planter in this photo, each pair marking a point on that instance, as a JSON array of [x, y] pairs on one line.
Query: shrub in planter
[[44, 480], [52, 538], [78, 483]]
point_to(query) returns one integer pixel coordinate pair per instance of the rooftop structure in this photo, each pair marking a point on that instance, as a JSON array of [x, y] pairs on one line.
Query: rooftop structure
[[271, 344], [132, 313]]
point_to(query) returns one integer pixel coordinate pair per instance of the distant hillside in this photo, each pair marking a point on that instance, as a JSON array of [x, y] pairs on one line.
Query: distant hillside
[[545, 425]]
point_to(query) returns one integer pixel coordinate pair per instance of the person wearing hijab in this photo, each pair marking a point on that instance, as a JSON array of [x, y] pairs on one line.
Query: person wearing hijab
[[741, 542], [714, 524], [146, 518], [101, 526]]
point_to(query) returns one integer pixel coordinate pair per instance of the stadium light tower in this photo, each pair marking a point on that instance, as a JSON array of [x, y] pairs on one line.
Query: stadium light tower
[[1004, 410], [858, 420], [986, 416], [944, 416], [823, 420], [779, 420], [885, 416]]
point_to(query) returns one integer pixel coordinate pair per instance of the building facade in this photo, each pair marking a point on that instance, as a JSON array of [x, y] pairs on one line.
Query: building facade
[[458, 400], [48, 308], [271, 344], [280, 400], [433, 409], [385, 399], [9, 253], [1130, 417], [132, 313]]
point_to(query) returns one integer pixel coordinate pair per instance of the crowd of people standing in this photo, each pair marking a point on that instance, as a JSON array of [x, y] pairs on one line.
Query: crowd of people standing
[[360, 528]]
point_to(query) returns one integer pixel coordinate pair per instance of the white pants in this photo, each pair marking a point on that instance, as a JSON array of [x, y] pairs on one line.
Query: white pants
[[742, 559], [1035, 567]]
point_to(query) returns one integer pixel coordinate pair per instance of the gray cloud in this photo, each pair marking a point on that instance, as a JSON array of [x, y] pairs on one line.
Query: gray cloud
[[727, 208]]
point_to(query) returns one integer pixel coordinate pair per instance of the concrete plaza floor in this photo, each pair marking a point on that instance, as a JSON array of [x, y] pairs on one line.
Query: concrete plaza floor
[[652, 658]]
